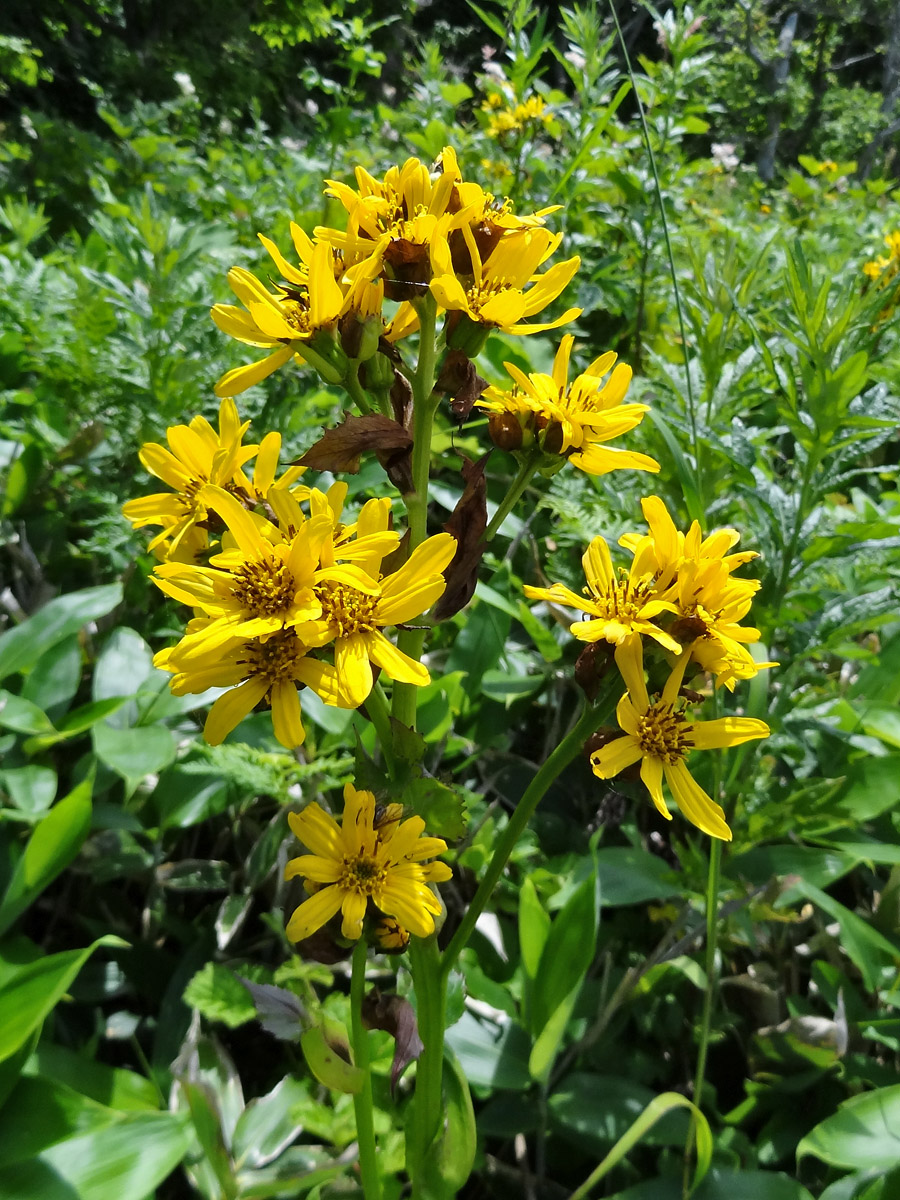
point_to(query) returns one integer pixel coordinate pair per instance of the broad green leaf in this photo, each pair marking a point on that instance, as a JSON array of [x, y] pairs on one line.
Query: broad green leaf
[[492, 1055], [629, 875], [41, 1112], [32, 789], [864, 1132], [124, 662], [22, 646], [480, 644], [548, 1043], [113, 1087], [882, 722], [79, 721], [22, 716], [266, 1126], [447, 1164], [595, 1110], [55, 677], [720, 1184], [134, 753], [567, 954], [125, 1160], [34, 990], [441, 807], [52, 846]]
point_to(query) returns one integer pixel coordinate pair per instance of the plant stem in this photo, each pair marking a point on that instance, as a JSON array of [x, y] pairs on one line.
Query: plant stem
[[358, 392], [362, 1101], [689, 390], [380, 715], [565, 752], [712, 910], [431, 994], [411, 641], [523, 477]]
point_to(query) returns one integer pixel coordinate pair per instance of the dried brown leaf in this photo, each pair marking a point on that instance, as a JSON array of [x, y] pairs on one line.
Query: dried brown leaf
[[467, 524], [340, 449]]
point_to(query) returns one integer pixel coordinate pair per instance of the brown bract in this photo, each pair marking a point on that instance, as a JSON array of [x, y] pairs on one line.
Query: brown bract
[[467, 524], [459, 379], [340, 449], [396, 1016]]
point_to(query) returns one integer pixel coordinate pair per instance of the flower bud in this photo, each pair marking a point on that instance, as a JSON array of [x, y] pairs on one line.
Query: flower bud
[[462, 333], [505, 430]]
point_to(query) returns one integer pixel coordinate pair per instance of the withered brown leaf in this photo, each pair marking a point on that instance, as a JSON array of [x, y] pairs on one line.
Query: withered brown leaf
[[340, 449], [467, 524]]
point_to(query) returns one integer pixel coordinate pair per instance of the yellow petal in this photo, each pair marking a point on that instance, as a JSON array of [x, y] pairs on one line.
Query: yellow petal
[[231, 708], [238, 379], [286, 720], [314, 913]]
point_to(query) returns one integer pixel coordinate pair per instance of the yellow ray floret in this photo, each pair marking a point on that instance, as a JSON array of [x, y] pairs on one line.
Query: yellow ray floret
[[660, 737], [355, 867]]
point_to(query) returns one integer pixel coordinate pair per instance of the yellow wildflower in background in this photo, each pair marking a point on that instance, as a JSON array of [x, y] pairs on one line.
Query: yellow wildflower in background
[[884, 268], [660, 736], [357, 866], [197, 455], [574, 421]]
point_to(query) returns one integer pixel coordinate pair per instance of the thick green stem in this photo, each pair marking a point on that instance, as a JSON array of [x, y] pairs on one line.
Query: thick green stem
[[564, 753], [431, 996], [357, 392], [411, 641], [523, 477], [712, 910], [362, 1101]]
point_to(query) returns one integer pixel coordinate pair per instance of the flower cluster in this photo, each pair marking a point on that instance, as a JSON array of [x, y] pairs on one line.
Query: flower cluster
[[412, 232], [678, 595], [884, 269], [506, 118], [286, 588], [372, 863], [547, 417]]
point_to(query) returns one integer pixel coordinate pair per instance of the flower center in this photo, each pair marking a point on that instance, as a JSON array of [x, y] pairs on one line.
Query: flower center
[[477, 296], [296, 313], [264, 589], [362, 875], [664, 733], [347, 610], [624, 599], [276, 657]]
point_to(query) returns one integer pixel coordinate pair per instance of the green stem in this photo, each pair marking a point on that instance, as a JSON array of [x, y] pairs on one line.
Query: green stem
[[431, 1001], [689, 390], [357, 392], [565, 752], [526, 470], [712, 910], [412, 641], [380, 715], [362, 1101]]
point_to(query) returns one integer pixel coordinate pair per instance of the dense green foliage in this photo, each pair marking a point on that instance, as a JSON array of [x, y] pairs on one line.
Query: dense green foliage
[[141, 870]]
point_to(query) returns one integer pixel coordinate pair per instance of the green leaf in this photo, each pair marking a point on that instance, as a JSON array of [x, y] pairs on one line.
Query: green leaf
[[629, 875], [442, 808], [32, 789], [21, 479], [55, 677], [870, 950], [126, 1160], [568, 952], [219, 995], [77, 722], [39, 1113], [22, 716], [134, 753], [52, 846], [266, 1125], [534, 926], [864, 1132], [22, 646], [492, 1055], [113, 1087], [594, 1110], [33, 991], [448, 1163], [124, 663]]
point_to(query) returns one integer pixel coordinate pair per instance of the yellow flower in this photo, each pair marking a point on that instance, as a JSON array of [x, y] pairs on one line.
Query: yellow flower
[[885, 268], [354, 615], [257, 587], [575, 420], [618, 604], [198, 455], [660, 736], [694, 573], [256, 671], [356, 864], [287, 320], [497, 297]]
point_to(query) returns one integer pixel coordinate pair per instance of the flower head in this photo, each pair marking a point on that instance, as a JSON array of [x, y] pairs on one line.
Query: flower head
[[494, 293], [360, 865], [660, 736], [197, 455], [574, 421], [617, 604]]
